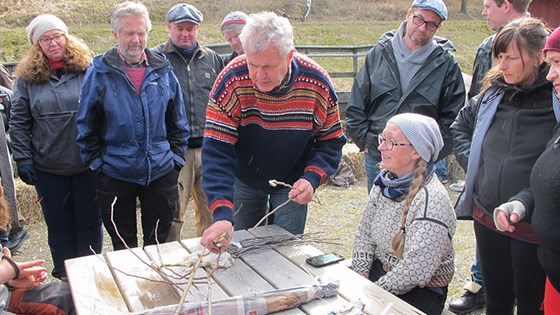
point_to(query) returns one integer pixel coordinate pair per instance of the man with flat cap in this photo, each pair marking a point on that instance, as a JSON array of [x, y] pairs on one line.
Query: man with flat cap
[[196, 68]]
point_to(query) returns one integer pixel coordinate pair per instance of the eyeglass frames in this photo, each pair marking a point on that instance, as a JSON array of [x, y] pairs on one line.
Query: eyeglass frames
[[430, 26], [59, 38], [389, 143]]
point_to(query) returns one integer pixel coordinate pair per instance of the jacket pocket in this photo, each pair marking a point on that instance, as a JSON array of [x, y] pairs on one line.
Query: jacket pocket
[[54, 142]]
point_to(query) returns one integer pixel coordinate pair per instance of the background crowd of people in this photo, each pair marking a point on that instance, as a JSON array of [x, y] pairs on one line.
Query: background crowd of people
[[163, 125]]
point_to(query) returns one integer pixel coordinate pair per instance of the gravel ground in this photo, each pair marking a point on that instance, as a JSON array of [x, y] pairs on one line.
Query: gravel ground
[[336, 216]]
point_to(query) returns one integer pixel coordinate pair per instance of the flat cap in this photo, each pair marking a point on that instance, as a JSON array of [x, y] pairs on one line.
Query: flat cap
[[438, 6], [184, 12]]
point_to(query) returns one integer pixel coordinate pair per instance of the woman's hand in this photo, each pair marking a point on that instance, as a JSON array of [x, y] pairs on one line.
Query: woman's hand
[[507, 214], [31, 273]]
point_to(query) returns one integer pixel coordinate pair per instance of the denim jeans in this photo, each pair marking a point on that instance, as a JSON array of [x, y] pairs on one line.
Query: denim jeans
[[441, 170], [476, 270], [252, 204], [72, 216], [372, 169]]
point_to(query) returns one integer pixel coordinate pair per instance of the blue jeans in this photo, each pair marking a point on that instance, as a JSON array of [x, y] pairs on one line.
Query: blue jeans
[[72, 216], [372, 169], [252, 204], [441, 170], [476, 269]]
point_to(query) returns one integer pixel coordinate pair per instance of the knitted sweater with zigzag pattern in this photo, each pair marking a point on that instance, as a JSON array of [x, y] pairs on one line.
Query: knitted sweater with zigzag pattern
[[428, 251], [290, 133]]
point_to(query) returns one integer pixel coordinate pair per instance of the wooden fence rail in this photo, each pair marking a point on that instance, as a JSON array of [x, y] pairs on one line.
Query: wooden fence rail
[[315, 52]]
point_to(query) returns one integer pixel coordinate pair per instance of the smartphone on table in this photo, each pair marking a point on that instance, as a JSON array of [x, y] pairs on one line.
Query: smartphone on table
[[324, 259]]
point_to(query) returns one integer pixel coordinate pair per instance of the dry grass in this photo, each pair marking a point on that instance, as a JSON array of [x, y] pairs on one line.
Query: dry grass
[[78, 12], [27, 203]]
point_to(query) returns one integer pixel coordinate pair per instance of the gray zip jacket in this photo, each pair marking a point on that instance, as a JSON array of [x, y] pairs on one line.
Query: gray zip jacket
[[436, 90], [43, 124]]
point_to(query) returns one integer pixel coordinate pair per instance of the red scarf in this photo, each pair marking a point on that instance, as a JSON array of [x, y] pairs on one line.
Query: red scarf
[[56, 64]]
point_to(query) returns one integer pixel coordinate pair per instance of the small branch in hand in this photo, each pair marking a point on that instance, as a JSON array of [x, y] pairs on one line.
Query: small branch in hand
[[271, 212], [275, 183]]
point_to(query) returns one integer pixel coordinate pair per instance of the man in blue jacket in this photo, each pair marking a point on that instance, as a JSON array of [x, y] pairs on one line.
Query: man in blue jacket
[[133, 131]]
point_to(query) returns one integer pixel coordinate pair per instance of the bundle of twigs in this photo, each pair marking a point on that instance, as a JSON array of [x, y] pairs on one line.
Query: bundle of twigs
[[250, 245]]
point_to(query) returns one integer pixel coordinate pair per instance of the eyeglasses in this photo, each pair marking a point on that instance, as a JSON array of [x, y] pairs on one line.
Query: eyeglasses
[[389, 143], [57, 39], [430, 26]]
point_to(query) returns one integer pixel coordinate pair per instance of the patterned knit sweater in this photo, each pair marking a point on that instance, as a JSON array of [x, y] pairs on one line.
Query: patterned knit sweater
[[289, 133], [428, 259]]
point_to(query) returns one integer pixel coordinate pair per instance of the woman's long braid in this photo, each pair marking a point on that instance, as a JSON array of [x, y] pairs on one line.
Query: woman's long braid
[[417, 179]]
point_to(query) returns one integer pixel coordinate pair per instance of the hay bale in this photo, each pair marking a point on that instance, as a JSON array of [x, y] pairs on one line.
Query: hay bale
[[455, 171], [27, 203], [355, 159]]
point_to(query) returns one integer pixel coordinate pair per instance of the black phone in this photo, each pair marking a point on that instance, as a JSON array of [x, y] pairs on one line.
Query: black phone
[[324, 259]]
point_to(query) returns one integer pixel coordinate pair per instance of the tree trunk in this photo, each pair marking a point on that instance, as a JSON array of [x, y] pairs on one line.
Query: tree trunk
[[464, 6]]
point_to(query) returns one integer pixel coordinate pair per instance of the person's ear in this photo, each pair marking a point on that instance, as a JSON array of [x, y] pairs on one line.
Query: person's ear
[[507, 6], [541, 58], [291, 54], [415, 155]]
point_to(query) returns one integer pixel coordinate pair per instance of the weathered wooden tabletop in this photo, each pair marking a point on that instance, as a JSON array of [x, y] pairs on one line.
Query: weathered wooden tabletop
[[123, 281]]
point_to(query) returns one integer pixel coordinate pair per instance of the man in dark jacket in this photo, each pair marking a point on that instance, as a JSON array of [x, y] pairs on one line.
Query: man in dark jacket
[[196, 68], [497, 13], [133, 131], [407, 71]]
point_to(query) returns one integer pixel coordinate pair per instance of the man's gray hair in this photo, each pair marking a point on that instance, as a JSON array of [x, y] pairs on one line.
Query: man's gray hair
[[267, 28], [129, 9]]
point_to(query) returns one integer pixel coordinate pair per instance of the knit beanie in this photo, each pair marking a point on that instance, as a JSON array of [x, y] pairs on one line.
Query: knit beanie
[[422, 132], [42, 24], [235, 17], [553, 41]]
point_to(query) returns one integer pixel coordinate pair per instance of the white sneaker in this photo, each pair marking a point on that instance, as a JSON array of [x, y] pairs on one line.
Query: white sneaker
[[458, 186]]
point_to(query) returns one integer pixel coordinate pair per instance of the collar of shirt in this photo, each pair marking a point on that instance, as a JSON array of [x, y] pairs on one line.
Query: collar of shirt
[[143, 63]]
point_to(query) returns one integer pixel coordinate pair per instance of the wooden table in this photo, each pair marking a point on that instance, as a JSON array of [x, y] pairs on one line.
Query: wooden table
[[97, 289]]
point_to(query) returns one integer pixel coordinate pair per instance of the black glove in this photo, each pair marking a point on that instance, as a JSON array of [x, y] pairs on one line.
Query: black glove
[[95, 173], [27, 174]]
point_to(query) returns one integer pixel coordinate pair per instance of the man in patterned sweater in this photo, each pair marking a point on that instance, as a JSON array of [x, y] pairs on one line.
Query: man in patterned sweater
[[272, 115]]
